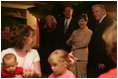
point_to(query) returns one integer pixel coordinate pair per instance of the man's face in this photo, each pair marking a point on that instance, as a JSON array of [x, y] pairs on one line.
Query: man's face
[[98, 13], [68, 11]]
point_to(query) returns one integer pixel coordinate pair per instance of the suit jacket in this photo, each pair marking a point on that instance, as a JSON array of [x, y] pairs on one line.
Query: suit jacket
[[79, 40], [61, 37], [99, 44], [97, 49]]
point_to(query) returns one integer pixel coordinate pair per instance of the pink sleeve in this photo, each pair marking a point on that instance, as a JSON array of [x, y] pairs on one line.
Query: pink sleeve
[[69, 75], [51, 76], [72, 76]]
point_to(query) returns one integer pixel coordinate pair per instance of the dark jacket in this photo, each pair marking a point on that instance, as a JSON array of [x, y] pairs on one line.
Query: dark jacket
[[97, 49], [99, 44], [61, 37]]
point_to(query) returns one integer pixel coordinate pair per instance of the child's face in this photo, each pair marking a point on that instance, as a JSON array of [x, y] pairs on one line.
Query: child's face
[[10, 66], [58, 68], [82, 23]]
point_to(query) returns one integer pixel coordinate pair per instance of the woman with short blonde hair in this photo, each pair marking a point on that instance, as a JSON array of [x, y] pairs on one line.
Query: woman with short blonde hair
[[50, 22]]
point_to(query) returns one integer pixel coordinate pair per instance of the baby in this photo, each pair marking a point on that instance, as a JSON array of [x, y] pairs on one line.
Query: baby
[[9, 67]]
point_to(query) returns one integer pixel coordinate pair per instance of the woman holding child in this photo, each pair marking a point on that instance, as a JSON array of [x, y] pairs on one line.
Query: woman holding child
[[21, 39]]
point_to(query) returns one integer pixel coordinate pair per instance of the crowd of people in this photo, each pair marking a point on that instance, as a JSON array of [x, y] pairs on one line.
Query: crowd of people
[[68, 48]]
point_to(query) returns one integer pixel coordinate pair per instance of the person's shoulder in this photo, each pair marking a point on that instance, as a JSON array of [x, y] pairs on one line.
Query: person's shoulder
[[6, 51], [33, 51], [108, 19], [112, 73], [70, 74], [76, 30], [89, 30], [51, 75]]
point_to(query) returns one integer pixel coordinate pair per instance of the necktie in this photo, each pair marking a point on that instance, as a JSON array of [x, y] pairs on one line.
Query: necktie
[[66, 25]]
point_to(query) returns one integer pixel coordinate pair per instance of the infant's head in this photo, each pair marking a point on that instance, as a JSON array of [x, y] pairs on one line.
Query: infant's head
[[9, 62]]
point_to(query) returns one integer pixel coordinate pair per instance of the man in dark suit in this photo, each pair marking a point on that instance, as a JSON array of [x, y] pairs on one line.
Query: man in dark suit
[[98, 58], [65, 27]]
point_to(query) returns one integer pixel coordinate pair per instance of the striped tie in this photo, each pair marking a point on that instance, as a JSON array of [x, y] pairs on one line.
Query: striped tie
[[66, 25]]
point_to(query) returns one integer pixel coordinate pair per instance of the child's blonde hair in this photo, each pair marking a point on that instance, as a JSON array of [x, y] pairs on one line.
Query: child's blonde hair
[[59, 56]]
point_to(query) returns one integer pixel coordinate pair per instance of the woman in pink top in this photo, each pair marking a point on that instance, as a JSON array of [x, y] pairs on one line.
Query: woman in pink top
[[60, 64]]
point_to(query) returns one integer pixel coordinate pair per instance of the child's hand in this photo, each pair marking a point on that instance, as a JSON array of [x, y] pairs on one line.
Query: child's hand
[[28, 73]]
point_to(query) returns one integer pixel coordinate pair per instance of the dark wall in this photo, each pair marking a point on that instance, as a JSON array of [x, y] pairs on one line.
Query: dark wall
[[7, 21]]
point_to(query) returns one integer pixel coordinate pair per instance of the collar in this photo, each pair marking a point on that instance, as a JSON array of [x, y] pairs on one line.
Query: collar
[[102, 18], [68, 19]]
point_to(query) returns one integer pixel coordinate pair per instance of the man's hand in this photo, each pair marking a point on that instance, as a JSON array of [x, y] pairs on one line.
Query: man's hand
[[101, 66]]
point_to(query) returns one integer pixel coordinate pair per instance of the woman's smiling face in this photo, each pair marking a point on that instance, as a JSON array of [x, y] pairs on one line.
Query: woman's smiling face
[[82, 23]]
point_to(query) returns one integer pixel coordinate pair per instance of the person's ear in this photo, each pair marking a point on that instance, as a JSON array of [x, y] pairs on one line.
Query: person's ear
[[65, 64]]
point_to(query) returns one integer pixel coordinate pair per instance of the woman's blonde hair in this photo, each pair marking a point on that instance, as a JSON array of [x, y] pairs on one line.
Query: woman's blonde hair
[[59, 56], [53, 19]]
